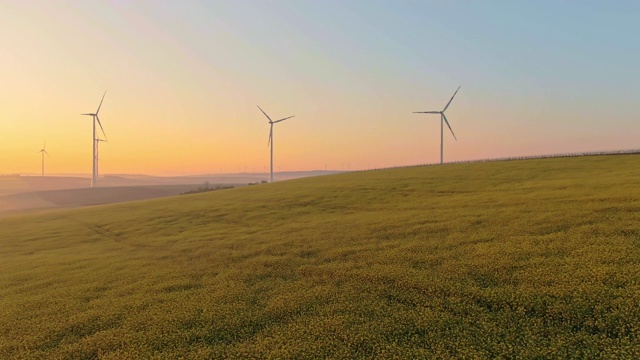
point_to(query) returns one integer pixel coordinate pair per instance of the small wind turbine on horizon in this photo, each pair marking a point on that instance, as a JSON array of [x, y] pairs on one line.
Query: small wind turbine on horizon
[[43, 151], [94, 174], [443, 119], [271, 122]]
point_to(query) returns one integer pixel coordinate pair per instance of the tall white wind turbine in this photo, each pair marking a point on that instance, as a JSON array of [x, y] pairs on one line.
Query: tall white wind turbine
[[271, 122], [43, 151], [443, 119], [94, 174]]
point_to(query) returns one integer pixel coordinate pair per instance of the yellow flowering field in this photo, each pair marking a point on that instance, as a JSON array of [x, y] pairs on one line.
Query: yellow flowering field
[[513, 259]]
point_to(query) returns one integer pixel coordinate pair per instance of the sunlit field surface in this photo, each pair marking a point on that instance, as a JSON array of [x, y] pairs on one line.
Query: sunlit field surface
[[513, 259]]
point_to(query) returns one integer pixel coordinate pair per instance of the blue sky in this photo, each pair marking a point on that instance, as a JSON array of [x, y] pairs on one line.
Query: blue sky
[[184, 79]]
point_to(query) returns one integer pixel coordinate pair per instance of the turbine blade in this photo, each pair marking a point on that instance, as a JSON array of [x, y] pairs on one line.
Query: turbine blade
[[426, 112], [265, 114], [88, 114], [105, 93], [447, 121], [101, 128], [270, 135], [454, 95], [277, 121]]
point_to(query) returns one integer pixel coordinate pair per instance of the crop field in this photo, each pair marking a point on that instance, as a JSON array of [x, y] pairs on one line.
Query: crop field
[[513, 259]]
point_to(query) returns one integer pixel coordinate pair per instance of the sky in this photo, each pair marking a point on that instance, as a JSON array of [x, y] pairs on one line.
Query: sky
[[183, 80]]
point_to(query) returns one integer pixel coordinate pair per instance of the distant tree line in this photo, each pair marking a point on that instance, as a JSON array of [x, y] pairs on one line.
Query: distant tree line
[[258, 183], [206, 187]]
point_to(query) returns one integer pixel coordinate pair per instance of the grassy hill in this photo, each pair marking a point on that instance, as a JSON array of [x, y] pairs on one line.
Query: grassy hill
[[518, 259]]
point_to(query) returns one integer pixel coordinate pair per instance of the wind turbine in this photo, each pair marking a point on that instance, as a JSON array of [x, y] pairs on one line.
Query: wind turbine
[[98, 141], [443, 119], [271, 122], [94, 175], [43, 151]]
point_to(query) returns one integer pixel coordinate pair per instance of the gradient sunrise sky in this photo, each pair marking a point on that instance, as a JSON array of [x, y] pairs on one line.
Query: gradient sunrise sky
[[183, 79]]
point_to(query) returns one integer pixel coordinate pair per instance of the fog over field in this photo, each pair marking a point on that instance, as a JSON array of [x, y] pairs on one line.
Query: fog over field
[[29, 193]]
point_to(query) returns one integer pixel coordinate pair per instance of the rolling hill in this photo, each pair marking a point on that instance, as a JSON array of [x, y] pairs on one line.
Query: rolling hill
[[514, 259], [71, 198], [20, 194]]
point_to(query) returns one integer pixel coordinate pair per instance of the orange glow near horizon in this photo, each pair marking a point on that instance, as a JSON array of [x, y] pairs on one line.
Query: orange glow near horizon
[[183, 82]]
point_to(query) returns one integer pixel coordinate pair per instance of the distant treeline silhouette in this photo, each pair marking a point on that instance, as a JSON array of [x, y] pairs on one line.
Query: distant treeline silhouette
[[206, 188]]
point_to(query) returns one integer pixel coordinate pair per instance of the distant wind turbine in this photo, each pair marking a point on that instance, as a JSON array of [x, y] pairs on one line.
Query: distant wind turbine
[[443, 119], [94, 175], [271, 122], [43, 151]]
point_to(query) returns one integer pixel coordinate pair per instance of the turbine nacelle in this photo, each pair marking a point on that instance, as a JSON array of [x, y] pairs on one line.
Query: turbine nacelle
[[271, 122], [443, 119], [44, 149], [442, 116]]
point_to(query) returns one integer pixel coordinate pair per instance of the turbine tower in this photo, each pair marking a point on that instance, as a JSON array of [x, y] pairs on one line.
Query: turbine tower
[[94, 174], [43, 151], [98, 141], [443, 119], [271, 122]]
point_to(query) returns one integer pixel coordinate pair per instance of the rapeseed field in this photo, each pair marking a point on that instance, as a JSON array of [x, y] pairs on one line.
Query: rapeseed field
[[513, 259]]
